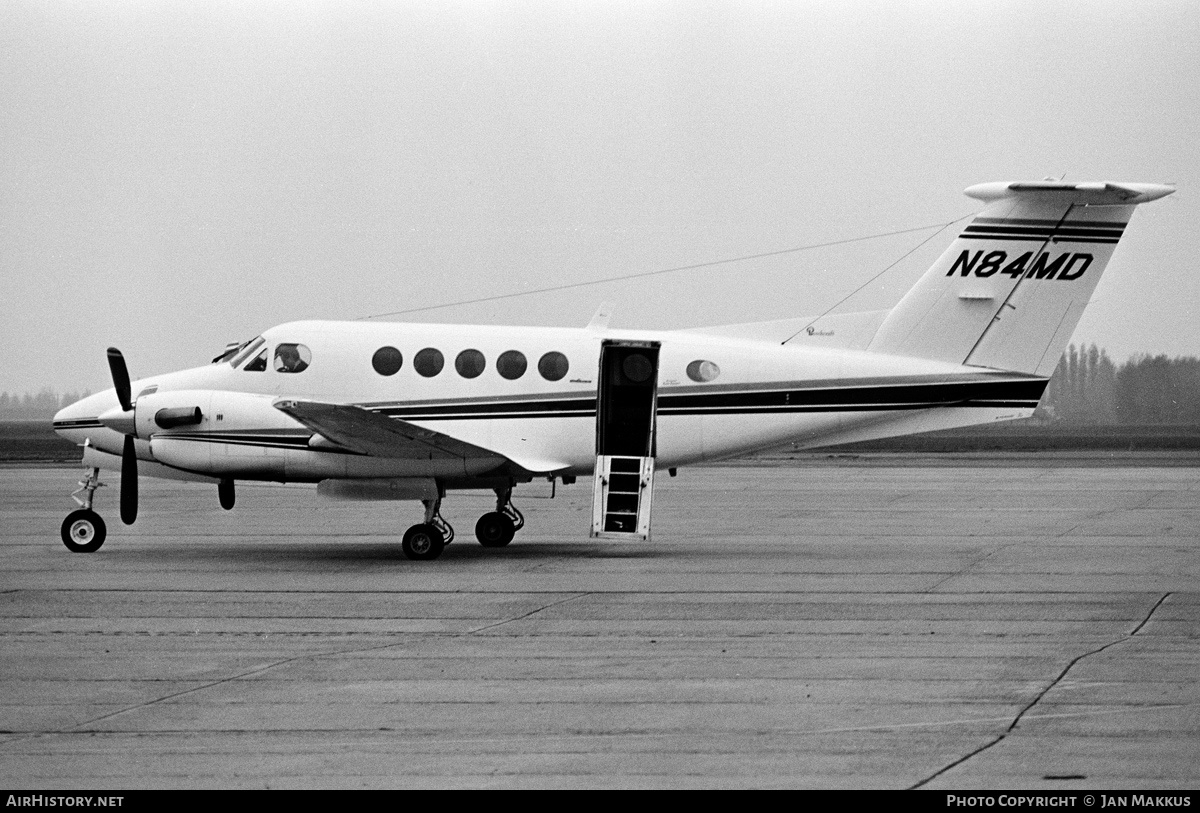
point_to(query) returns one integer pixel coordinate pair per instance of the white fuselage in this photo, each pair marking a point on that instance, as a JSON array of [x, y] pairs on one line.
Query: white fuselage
[[765, 394]]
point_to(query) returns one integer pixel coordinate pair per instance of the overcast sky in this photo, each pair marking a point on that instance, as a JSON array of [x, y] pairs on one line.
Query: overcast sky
[[177, 175]]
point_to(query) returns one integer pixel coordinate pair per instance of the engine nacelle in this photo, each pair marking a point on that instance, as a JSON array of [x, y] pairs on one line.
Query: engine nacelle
[[174, 417], [242, 436], [169, 404], [215, 432]]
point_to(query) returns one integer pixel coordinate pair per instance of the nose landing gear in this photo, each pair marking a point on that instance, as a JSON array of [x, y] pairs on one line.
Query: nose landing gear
[[83, 531]]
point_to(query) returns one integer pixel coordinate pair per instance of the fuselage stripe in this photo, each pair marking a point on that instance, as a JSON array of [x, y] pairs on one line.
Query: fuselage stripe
[[867, 398], [83, 423]]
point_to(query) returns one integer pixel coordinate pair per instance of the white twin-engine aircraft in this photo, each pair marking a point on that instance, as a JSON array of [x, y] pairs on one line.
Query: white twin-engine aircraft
[[411, 411]]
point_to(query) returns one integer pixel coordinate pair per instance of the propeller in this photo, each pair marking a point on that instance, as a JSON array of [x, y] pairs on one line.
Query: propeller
[[123, 420], [120, 377], [129, 482]]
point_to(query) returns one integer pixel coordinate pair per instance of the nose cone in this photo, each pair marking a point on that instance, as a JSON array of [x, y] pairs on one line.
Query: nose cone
[[80, 422], [119, 420], [84, 414]]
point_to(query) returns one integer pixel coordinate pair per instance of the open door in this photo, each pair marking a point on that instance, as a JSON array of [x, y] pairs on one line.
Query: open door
[[625, 418]]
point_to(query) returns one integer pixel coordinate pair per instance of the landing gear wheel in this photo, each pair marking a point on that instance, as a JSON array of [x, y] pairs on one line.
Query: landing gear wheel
[[423, 542], [495, 530], [83, 531]]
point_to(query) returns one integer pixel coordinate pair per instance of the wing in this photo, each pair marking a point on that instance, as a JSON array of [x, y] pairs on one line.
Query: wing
[[369, 433]]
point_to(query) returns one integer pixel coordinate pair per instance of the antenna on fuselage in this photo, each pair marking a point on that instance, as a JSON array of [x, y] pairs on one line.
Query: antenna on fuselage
[[600, 320]]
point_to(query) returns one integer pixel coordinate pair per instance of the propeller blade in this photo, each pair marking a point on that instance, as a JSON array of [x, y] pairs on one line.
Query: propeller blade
[[120, 377], [129, 484]]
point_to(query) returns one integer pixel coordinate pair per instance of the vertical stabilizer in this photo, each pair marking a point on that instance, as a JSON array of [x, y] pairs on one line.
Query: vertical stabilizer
[[1009, 291]]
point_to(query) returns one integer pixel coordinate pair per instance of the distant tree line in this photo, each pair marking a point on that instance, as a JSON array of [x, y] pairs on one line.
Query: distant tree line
[[36, 407], [1088, 388]]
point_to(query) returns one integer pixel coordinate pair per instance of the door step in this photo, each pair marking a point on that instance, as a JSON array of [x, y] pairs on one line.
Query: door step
[[624, 487]]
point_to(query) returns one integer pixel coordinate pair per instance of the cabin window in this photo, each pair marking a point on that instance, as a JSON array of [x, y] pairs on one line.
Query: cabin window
[[387, 361], [292, 358], [511, 364], [258, 363], [553, 366], [429, 362], [470, 363], [702, 371]]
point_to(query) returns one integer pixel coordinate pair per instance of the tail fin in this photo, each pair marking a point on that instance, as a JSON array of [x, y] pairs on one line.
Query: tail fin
[[1009, 291]]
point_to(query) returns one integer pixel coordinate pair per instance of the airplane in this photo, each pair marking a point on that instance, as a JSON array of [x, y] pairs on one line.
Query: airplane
[[393, 411]]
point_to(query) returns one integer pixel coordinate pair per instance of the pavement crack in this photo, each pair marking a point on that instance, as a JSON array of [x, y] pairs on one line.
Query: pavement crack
[[183, 692], [173, 695], [1146, 620], [933, 588], [529, 614], [147, 703], [1029, 706], [267, 667]]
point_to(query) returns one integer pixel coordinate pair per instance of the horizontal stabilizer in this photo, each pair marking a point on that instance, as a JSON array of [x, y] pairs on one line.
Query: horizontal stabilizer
[[1081, 194]]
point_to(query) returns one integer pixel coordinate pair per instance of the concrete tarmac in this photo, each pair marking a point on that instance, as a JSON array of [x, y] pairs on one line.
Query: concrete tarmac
[[810, 626]]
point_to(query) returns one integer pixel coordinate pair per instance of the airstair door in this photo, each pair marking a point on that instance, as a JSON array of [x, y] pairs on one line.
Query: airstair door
[[625, 421]]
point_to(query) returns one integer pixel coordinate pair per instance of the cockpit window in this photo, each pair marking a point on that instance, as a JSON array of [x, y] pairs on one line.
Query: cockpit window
[[246, 350], [258, 364], [229, 352], [292, 358]]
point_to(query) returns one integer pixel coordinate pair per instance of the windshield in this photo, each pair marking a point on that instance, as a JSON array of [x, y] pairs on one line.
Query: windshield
[[230, 351], [243, 351]]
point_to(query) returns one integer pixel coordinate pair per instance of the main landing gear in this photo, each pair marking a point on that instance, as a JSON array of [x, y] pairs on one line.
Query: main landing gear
[[427, 540], [83, 531], [495, 529]]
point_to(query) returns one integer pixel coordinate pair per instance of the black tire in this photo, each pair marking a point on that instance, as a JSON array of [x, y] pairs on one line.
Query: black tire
[[423, 543], [494, 530], [83, 531], [225, 494]]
